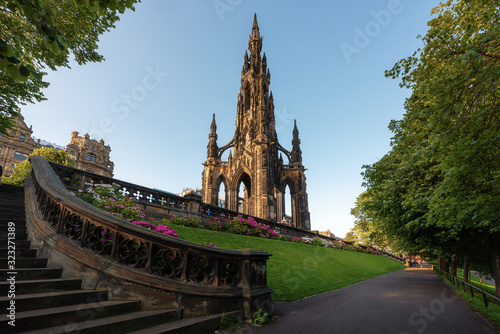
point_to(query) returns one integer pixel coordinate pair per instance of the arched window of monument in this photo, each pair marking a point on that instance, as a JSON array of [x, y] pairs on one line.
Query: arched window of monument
[[244, 194], [287, 205], [222, 194]]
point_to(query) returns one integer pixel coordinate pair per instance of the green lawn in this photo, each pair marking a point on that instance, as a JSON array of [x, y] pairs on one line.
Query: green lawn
[[297, 270], [475, 281]]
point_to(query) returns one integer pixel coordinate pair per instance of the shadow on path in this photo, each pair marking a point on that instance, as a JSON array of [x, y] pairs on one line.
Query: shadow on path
[[414, 300]]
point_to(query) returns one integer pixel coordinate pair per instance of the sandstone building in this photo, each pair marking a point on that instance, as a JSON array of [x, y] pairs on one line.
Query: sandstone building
[[257, 163], [16, 146], [90, 155]]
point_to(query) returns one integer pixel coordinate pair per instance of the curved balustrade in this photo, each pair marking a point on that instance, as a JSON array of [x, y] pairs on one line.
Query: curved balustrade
[[188, 267], [76, 179]]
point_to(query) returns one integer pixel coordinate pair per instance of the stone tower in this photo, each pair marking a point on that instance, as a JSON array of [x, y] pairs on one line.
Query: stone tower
[[257, 163]]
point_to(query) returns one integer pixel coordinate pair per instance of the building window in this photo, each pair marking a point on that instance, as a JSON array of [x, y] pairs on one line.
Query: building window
[[17, 155], [12, 168], [25, 156], [22, 138], [92, 148], [91, 157]]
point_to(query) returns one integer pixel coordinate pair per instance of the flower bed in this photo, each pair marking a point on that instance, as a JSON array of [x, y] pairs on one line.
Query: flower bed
[[107, 198], [245, 226]]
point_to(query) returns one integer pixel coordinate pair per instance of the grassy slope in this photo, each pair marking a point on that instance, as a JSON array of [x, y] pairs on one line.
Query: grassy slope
[[297, 270]]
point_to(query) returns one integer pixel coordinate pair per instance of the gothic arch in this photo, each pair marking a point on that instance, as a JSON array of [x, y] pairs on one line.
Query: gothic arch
[[241, 176], [288, 182], [221, 180]]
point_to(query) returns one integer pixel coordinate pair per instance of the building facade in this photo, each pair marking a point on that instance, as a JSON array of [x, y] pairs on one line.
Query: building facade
[[255, 178], [90, 155], [16, 145]]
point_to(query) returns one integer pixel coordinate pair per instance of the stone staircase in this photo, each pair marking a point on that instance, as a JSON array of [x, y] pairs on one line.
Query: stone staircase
[[47, 303]]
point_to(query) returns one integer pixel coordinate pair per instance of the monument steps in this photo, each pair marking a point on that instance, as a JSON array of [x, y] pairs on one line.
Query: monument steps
[[47, 303]]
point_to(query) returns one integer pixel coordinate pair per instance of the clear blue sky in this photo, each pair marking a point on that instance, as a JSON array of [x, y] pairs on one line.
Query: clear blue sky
[[327, 61]]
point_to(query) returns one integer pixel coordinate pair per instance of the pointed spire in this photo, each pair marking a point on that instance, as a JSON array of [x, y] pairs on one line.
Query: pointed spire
[[213, 126], [295, 131], [255, 25], [212, 148], [296, 152], [255, 44]]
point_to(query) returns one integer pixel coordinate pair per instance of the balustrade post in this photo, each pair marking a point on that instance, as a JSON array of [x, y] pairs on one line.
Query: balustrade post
[[255, 292], [193, 203]]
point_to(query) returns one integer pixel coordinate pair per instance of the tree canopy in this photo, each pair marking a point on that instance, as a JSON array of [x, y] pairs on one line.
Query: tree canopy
[[22, 170], [41, 34], [439, 186]]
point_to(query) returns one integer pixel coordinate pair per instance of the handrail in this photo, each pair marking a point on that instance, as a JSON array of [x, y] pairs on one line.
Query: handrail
[[212, 271], [454, 279]]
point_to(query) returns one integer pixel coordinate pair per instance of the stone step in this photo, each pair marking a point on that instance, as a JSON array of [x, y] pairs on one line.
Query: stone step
[[14, 218], [68, 316], [24, 263], [4, 243], [36, 301], [123, 323], [43, 285], [16, 222], [11, 188], [20, 253], [28, 274], [8, 211], [20, 235], [203, 324], [20, 227]]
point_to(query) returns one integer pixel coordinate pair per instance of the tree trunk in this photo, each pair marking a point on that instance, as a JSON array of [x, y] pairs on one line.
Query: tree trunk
[[495, 245], [454, 265], [466, 268], [444, 264]]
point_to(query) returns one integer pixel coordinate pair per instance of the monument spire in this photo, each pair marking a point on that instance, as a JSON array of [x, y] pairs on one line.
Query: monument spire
[[254, 161], [212, 148], [296, 152]]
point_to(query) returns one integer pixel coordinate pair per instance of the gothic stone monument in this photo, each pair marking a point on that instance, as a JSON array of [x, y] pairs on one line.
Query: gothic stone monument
[[257, 163]]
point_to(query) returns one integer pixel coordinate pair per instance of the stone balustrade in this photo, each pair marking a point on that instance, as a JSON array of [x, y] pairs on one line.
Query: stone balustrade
[[183, 267]]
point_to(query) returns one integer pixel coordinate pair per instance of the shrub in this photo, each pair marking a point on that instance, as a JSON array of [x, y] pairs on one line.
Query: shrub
[[189, 222], [248, 226], [215, 225], [107, 198], [22, 169]]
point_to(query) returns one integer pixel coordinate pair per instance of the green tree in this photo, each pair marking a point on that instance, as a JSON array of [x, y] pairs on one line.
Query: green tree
[[41, 34], [365, 230], [439, 186], [22, 170]]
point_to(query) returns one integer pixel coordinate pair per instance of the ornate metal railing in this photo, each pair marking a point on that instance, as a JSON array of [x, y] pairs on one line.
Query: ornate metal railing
[[208, 270], [75, 179]]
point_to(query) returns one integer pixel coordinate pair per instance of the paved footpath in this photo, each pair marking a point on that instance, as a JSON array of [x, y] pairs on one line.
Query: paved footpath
[[414, 300]]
